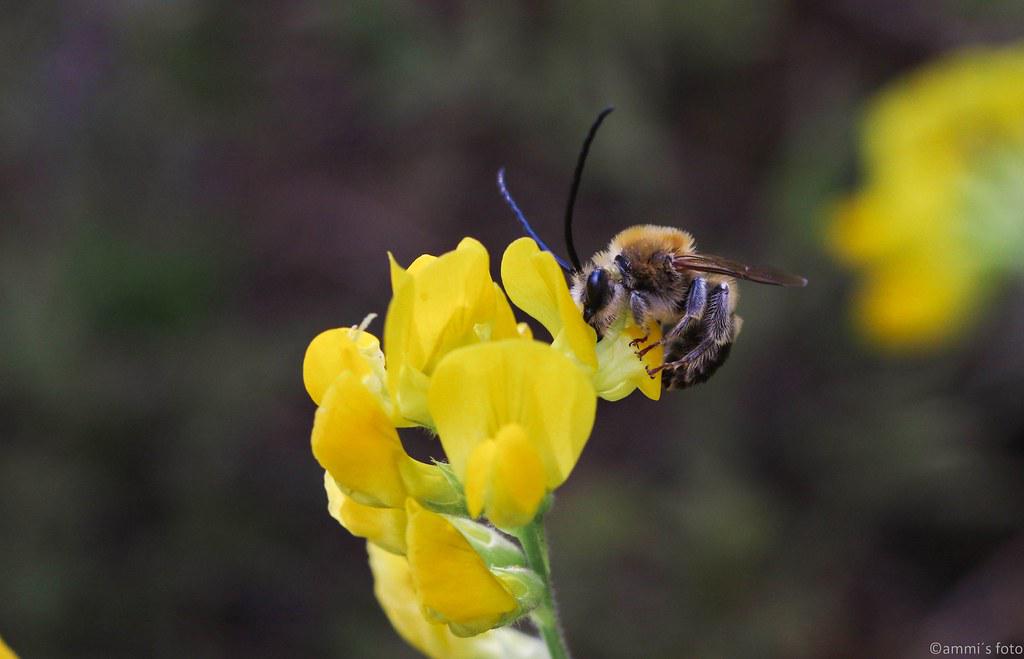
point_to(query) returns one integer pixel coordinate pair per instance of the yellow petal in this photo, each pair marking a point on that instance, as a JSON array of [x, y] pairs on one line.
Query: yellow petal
[[505, 479], [620, 371], [337, 350], [410, 394], [384, 527], [916, 301], [447, 297], [354, 440], [477, 390], [451, 580], [650, 387], [6, 652], [535, 283], [399, 274], [504, 325], [394, 588], [439, 304]]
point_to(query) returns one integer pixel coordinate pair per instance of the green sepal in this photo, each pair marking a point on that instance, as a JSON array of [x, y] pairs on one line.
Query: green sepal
[[496, 550], [524, 584], [455, 505]]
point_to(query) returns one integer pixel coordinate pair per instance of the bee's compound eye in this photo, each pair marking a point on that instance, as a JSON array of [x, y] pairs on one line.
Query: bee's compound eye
[[597, 284], [598, 292]]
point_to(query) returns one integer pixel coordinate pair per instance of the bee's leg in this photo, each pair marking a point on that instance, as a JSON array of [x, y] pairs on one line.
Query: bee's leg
[[693, 310], [716, 330], [640, 307]]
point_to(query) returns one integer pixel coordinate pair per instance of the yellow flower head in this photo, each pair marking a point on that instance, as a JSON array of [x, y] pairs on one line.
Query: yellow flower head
[[536, 285], [513, 417], [396, 591], [939, 212], [439, 304]]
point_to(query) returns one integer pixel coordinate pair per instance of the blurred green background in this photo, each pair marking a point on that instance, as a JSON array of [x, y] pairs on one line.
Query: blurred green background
[[190, 191]]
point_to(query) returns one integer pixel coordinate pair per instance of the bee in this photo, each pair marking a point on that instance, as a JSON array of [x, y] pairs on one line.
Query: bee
[[656, 274]]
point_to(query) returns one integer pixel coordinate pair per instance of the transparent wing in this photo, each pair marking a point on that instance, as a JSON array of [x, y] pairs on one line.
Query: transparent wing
[[724, 266]]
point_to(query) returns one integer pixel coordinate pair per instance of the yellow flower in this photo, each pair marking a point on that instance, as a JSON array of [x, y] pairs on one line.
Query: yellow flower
[[396, 592], [452, 580], [939, 213], [6, 652], [512, 414], [439, 304], [907, 301], [354, 440], [513, 417], [536, 285], [342, 349]]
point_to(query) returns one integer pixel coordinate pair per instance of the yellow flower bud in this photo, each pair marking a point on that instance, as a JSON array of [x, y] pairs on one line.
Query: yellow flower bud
[[344, 349], [394, 588], [452, 581]]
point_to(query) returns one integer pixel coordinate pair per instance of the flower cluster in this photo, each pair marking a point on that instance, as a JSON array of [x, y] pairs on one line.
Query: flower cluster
[[512, 414], [938, 220]]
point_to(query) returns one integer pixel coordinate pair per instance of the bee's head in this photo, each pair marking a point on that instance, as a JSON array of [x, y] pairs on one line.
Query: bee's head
[[597, 293]]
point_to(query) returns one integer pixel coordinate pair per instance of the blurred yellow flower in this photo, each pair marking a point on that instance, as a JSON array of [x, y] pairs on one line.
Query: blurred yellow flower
[[513, 417], [939, 215], [6, 652], [536, 285], [396, 592]]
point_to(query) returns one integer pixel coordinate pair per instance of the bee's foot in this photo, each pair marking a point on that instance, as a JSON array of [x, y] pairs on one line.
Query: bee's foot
[[652, 372], [637, 342], [643, 351]]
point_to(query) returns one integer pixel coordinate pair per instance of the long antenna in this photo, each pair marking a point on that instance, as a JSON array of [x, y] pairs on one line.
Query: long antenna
[[569, 245], [526, 223]]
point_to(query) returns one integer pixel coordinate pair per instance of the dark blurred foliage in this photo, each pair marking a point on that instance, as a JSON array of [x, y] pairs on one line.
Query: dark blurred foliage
[[191, 191]]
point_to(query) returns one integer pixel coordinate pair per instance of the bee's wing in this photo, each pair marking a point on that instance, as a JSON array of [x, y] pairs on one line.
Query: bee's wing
[[724, 266]]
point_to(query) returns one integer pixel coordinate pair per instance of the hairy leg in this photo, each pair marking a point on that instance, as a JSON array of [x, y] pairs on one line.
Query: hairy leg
[[713, 338], [693, 310], [640, 307]]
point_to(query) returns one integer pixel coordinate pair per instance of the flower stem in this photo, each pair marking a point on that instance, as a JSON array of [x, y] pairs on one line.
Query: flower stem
[[545, 616]]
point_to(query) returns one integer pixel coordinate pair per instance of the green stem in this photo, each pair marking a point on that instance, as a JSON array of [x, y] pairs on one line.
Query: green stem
[[545, 616]]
